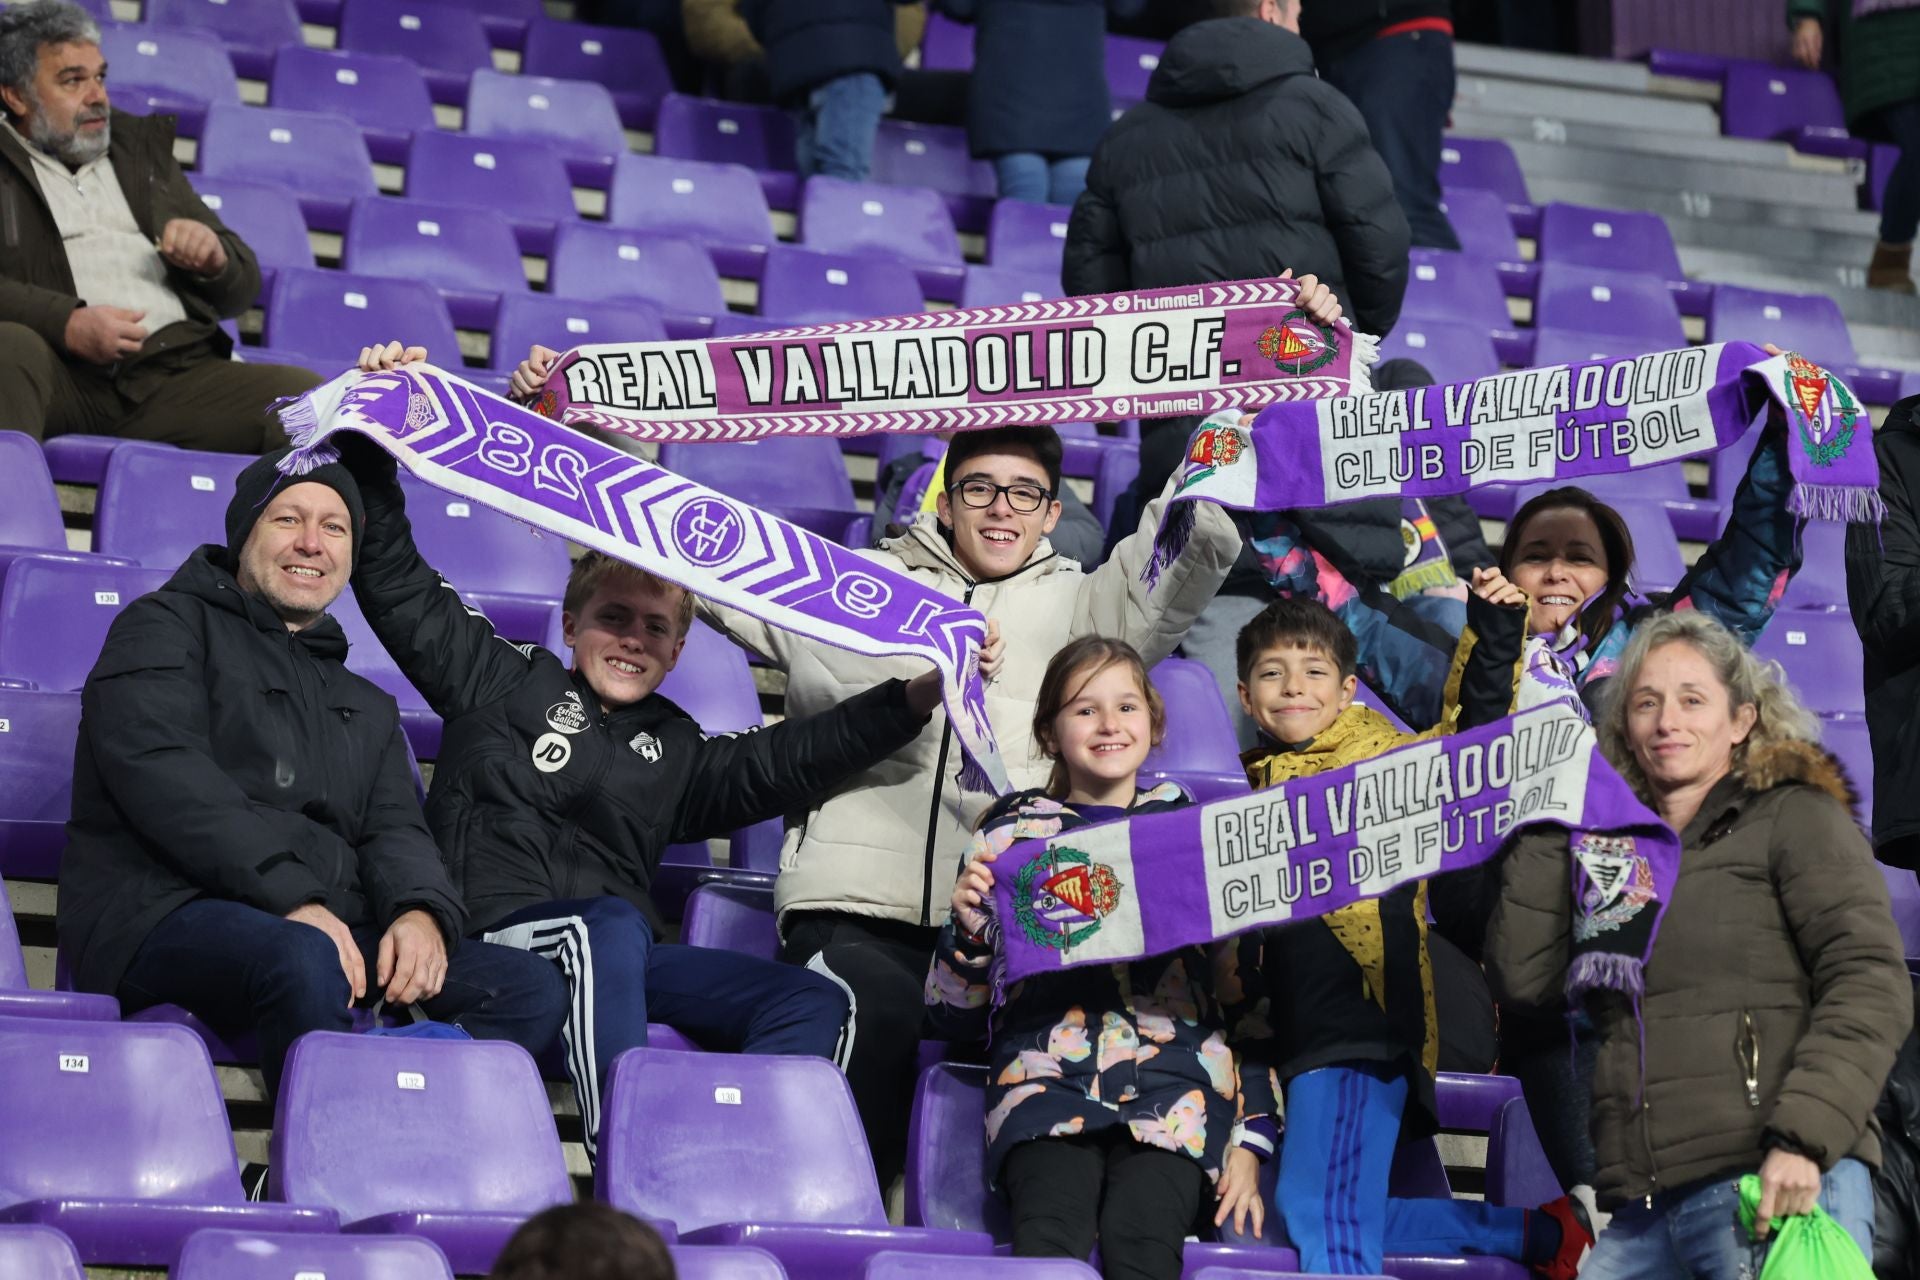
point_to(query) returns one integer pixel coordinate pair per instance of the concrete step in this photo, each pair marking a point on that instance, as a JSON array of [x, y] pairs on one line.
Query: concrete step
[[1623, 110], [1845, 285], [1560, 131], [1695, 178], [1708, 209], [1499, 63]]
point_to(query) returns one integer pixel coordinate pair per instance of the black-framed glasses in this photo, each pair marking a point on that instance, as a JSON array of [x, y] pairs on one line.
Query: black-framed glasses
[[1024, 498]]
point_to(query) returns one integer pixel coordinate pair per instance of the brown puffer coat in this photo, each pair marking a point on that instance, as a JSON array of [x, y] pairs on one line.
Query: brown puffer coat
[[1776, 995]]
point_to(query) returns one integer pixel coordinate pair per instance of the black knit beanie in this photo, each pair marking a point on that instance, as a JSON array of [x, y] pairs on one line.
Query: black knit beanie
[[255, 487]]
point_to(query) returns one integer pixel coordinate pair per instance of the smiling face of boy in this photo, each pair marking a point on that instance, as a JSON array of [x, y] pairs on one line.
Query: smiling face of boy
[[1295, 692]]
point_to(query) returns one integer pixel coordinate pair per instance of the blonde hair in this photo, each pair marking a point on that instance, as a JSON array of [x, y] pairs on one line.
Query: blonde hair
[[591, 571], [1749, 681], [1078, 662]]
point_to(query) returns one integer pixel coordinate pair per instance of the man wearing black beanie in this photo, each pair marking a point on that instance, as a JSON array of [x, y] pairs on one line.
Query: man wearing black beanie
[[245, 839]]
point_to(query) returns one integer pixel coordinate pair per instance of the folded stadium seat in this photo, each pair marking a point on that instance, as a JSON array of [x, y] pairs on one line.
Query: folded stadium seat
[[444, 38], [39, 1252], [710, 1262], [924, 1266], [453, 1140], [1905, 895], [1693, 519], [508, 22], [318, 156], [1119, 464], [1573, 346], [758, 137], [190, 68], [672, 1118], [125, 1145], [157, 503], [1450, 350], [1480, 220], [805, 286], [947, 45], [770, 473], [54, 615], [1619, 240], [1367, 697], [1809, 323], [1657, 564], [524, 182], [77, 458], [1821, 584], [1003, 286], [1130, 65], [1823, 659], [902, 224], [367, 657], [382, 93], [266, 217], [30, 519], [626, 60], [575, 118], [326, 368], [1454, 286], [467, 253], [564, 323], [1846, 738], [1624, 303], [250, 1255], [251, 32], [511, 572], [36, 779], [720, 207], [732, 917], [18, 999], [597, 262], [739, 324], [1200, 750], [1027, 236], [335, 313], [1487, 164], [936, 156], [1764, 100], [1517, 1172]]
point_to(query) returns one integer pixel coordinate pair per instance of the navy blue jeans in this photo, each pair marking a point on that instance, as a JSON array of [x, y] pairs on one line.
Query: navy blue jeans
[[1403, 86], [235, 966], [621, 979], [833, 131], [1900, 206]]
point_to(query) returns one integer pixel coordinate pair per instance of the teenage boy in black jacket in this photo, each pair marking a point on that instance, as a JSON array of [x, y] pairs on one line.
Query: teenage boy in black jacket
[[245, 841], [557, 791]]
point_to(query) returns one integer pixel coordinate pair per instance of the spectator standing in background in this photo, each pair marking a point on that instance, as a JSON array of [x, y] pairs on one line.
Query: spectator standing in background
[[1394, 58], [719, 36], [1240, 164], [831, 63], [1878, 42], [1038, 100]]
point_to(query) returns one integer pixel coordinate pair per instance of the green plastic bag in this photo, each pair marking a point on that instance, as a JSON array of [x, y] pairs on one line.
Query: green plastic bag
[[1810, 1246]]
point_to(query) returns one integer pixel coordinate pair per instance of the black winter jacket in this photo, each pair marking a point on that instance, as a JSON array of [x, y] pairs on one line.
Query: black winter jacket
[[1241, 164], [1039, 79], [809, 42], [223, 756], [1883, 589], [1338, 27], [539, 794], [1896, 1183]]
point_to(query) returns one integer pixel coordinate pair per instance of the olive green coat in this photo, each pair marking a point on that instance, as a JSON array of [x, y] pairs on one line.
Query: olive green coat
[[1879, 56]]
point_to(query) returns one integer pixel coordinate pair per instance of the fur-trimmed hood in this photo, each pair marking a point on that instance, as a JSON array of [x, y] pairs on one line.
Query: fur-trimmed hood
[[1786, 760]]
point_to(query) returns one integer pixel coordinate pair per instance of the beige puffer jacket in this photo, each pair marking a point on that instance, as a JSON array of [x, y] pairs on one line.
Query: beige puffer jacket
[[888, 843]]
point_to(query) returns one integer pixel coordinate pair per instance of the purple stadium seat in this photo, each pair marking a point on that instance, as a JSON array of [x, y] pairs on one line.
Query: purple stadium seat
[[469, 254], [721, 207], [39, 1252], [36, 780], [1626, 303], [1479, 218], [1573, 346], [575, 118], [1847, 739], [127, 1169], [1130, 64], [1452, 351], [947, 45], [447, 1139], [54, 615], [1517, 1171], [251, 31], [760, 138], [1026, 235], [443, 38], [803, 286], [1657, 565], [562, 323], [1200, 750], [1761, 100], [1453, 286], [325, 367], [593, 261], [523, 181], [250, 1255], [709, 1262], [671, 1118], [266, 217], [1693, 519], [1821, 584], [319, 157], [769, 473], [1002, 286], [1823, 659], [333, 313], [30, 517], [1905, 893], [157, 503], [511, 572], [627, 60], [732, 917], [1809, 323], [1119, 464], [1616, 239], [17, 998], [936, 156], [77, 458], [367, 657], [190, 67], [1484, 163], [901, 224], [382, 93], [508, 22], [1727, 467], [921, 1266]]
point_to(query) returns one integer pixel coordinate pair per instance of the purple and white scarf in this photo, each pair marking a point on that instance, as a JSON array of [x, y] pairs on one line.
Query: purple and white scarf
[[1149, 885]]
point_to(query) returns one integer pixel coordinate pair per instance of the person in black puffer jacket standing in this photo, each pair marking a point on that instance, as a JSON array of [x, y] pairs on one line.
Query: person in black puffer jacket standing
[[831, 64]]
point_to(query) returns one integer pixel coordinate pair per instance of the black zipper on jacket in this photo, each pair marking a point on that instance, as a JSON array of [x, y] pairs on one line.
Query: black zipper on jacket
[[939, 789]]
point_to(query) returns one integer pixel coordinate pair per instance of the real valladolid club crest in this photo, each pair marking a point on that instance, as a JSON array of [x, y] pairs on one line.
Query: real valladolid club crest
[[1060, 900], [1298, 344], [1826, 430], [1212, 448], [1619, 883]]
